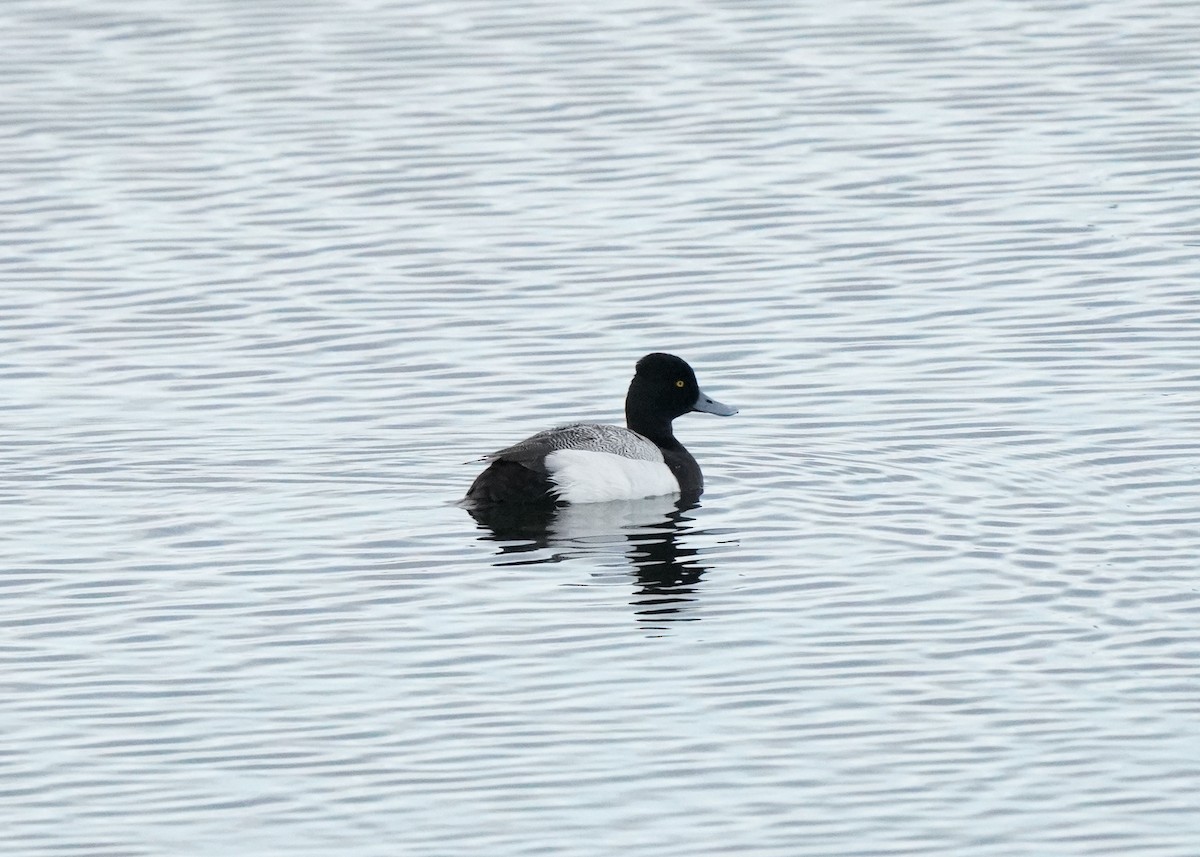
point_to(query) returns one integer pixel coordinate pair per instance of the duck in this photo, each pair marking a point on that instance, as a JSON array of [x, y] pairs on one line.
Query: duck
[[597, 463]]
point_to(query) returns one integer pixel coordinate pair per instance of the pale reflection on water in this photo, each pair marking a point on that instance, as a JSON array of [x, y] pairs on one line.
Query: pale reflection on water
[[650, 535]]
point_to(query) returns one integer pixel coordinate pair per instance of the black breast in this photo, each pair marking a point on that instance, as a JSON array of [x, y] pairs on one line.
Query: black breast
[[685, 468]]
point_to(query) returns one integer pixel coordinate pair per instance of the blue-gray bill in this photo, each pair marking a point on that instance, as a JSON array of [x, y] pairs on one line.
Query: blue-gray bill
[[709, 405]]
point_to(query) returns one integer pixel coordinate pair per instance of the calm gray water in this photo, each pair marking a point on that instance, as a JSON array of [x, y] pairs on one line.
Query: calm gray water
[[273, 273]]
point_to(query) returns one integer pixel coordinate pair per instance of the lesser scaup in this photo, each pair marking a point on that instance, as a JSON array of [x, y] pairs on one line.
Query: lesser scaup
[[589, 463]]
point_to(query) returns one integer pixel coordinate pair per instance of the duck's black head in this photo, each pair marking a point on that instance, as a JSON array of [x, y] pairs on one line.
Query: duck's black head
[[663, 388]]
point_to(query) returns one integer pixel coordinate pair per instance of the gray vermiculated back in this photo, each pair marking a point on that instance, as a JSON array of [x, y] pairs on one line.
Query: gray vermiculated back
[[589, 437]]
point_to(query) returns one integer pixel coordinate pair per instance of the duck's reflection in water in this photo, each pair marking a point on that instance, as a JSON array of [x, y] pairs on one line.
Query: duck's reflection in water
[[647, 533]]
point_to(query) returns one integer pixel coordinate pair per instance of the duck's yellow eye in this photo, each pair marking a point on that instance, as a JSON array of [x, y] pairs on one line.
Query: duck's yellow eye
[[679, 384]]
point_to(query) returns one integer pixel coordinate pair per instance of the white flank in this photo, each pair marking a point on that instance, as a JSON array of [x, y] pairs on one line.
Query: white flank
[[582, 476]]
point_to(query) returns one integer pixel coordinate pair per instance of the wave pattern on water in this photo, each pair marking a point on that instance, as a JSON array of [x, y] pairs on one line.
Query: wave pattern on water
[[274, 271]]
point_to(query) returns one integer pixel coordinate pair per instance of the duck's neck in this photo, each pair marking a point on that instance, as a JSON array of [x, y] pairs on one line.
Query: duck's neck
[[656, 428], [650, 425]]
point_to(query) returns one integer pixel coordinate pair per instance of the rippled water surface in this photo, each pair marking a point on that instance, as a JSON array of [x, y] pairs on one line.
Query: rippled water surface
[[274, 273]]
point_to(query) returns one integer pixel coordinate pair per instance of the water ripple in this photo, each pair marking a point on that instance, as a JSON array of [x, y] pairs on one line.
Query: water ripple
[[273, 273]]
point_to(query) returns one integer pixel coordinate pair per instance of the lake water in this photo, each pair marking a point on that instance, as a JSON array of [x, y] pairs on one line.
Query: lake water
[[274, 274]]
